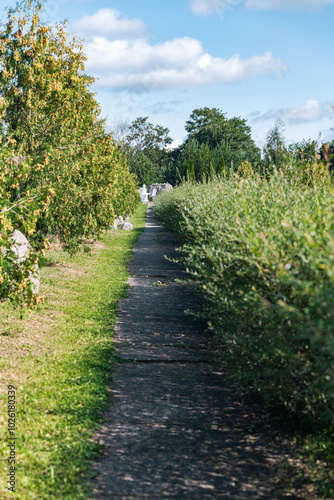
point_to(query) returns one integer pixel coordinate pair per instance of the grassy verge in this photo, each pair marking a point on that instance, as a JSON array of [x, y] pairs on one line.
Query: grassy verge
[[60, 359]]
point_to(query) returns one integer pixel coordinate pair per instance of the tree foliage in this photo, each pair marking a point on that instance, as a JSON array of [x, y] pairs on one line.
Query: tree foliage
[[146, 149], [275, 152], [327, 154], [303, 151], [60, 171], [215, 144]]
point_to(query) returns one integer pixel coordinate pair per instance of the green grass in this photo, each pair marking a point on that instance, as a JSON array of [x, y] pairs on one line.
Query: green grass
[[60, 360]]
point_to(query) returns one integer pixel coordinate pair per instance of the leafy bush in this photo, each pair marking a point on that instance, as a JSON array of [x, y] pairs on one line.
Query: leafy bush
[[263, 253], [59, 170], [18, 212]]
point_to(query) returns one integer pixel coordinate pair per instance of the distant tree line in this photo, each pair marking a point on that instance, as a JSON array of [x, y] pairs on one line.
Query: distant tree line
[[214, 145]]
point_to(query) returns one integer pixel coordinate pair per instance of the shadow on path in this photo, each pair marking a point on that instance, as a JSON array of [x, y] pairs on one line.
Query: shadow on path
[[176, 429]]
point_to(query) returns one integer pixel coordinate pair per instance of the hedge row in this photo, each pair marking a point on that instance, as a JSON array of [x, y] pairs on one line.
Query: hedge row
[[263, 253]]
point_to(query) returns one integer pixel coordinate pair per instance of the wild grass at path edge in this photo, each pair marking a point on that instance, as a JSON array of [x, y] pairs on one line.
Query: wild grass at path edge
[[60, 360]]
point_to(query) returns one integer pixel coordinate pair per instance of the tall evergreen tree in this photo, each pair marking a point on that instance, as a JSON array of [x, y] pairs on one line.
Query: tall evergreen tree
[[275, 152]]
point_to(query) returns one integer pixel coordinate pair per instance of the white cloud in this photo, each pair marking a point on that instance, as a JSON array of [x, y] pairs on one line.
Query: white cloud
[[119, 52], [108, 23], [178, 63], [312, 110], [287, 4], [136, 55], [176, 143], [210, 7]]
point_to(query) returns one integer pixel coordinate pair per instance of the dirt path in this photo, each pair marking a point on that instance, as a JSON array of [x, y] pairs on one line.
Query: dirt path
[[177, 429]]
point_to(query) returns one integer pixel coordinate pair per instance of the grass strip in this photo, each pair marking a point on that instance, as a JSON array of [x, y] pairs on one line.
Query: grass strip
[[60, 360]]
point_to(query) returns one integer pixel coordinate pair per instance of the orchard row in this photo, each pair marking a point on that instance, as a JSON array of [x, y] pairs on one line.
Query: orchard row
[[60, 171]]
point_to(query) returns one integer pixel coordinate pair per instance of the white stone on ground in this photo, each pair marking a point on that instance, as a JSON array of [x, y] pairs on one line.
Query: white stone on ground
[[127, 226]]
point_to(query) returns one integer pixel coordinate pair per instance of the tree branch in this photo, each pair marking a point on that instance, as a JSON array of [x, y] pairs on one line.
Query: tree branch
[[17, 204]]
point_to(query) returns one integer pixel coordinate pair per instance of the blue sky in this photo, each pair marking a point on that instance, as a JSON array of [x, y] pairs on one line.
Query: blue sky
[[263, 60]]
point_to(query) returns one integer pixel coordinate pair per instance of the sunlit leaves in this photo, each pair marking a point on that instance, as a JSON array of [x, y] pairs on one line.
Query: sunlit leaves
[[263, 253], [68, 172]]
